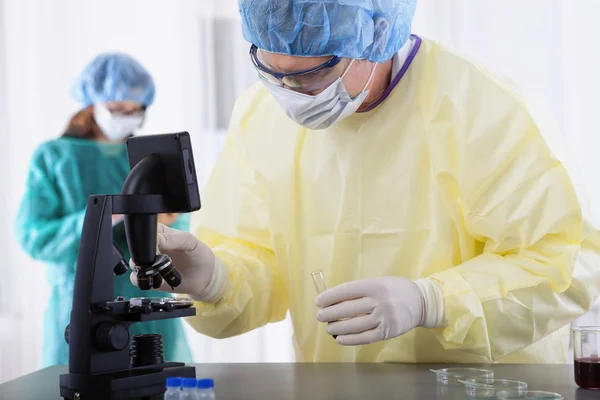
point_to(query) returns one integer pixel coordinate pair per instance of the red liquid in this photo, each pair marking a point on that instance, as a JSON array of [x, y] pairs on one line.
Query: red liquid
[[587, 373]]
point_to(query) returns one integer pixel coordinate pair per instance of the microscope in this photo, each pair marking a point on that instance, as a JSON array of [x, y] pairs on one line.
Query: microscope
[[104, 361]]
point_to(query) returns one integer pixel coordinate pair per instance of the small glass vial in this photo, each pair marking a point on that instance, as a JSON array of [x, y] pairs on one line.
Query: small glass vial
[[319, 281], [173, 389], [188, 392], [320, 286], [206, 389]]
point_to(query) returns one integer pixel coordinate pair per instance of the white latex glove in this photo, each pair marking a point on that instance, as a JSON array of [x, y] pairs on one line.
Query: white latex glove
[[370, 310], [203, 276]]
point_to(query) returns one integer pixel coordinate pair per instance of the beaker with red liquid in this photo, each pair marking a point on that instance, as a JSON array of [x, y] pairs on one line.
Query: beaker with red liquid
[[586, 349]]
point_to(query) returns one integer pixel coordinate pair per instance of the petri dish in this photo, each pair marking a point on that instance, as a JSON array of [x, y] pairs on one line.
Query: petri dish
[[452, 376], [539, 395], [489, 388]]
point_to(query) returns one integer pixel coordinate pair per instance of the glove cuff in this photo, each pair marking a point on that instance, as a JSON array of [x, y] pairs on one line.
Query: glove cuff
[[433, 296], [215, 290]]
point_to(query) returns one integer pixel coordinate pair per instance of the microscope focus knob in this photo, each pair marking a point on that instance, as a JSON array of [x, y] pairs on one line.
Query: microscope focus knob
[[112, 337], [67, 333]]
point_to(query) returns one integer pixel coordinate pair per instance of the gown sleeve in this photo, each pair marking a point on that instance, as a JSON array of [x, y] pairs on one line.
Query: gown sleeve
[[235, 224], [41, 229], [540, 251]]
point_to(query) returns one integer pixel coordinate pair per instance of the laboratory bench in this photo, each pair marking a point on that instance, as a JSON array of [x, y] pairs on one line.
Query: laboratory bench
[[327, 381]]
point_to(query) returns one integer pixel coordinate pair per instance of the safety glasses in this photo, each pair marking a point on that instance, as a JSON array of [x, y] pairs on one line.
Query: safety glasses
[[310, 80], [125, 109]]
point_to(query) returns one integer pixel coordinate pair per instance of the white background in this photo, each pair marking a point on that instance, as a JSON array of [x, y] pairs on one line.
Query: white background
[[195, 52]]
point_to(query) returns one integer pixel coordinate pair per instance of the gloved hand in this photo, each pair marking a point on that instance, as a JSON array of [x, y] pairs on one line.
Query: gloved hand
[[203, 276], [375, 309]]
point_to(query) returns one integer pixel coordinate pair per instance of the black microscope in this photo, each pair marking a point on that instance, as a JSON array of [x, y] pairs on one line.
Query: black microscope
[[104, 362]]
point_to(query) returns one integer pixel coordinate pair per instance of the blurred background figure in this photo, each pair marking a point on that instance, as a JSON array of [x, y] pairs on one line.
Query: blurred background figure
[[90, 157]]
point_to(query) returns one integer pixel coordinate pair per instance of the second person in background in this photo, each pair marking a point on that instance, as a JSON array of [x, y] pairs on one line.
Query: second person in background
[[90, 158]]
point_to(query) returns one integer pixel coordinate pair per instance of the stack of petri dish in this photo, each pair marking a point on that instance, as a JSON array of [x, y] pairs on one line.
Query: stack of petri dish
[[482, 384], [491, 388], [454, 376], [539, 395]]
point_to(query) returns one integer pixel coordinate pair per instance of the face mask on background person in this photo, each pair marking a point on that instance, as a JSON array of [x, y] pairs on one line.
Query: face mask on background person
[[116, 127], [323, 110]]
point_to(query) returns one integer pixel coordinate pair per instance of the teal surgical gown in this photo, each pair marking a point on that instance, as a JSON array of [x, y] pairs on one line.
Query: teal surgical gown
[[63, 173]]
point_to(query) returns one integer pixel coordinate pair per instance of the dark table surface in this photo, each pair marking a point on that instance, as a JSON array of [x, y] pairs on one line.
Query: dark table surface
[[327, 381]]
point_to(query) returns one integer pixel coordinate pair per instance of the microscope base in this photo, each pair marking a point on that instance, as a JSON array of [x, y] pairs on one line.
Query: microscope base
[[146, 383]]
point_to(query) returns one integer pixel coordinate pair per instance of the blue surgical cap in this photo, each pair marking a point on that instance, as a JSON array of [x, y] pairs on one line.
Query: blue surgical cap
[[114, 77], [366, 29]]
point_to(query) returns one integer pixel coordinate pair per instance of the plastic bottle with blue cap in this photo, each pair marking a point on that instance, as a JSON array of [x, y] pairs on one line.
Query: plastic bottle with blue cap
[[173, 389], [206, 389], [189, 391]]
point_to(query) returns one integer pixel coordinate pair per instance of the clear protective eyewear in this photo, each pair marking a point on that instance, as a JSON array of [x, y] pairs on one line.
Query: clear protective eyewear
[[307, 81], [125, 111]]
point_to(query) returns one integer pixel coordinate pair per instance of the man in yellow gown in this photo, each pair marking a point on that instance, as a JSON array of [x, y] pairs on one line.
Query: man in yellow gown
[[431, 196]]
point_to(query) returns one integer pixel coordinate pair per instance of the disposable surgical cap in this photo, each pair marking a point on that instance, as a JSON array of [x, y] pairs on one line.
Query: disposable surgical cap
[[114, 77], [366, 29]]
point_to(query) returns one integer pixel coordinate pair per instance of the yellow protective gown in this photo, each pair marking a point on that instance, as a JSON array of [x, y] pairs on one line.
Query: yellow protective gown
[[451, 179]]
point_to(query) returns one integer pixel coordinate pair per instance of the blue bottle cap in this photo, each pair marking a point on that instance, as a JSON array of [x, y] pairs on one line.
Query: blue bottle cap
[[188, 383], [206, 384], [173, 382]]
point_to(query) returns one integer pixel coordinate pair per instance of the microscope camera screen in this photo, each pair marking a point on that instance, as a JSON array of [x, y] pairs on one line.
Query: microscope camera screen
[[176, 154]]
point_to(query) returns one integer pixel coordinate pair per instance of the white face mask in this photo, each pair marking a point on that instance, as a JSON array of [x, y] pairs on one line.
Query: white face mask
[[323, 110], [116, 127]]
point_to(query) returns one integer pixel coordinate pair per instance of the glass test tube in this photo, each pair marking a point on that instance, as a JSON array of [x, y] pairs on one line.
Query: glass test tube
[[319, 281], [320, 286]]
